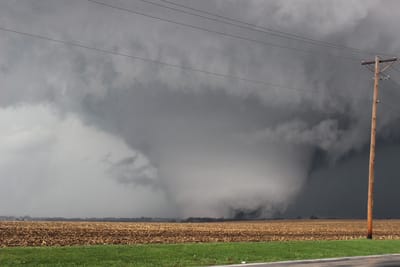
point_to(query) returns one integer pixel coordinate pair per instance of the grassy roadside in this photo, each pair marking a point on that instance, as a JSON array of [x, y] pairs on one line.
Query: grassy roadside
[[200, 254]]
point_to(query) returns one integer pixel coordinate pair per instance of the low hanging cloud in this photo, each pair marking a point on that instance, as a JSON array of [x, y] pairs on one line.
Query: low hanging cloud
[[54, 164], [88, 134], [323, 135]]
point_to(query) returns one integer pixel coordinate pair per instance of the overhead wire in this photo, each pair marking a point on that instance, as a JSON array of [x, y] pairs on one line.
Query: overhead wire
[[149, 60], [384, 91], [187, 68], [394, 68], [397, 85], [217, 32], [388, 91], [253, 27]]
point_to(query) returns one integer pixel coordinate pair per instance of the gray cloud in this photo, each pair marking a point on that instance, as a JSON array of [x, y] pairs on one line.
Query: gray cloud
[[171, 142], [135, 170], [54, 165]]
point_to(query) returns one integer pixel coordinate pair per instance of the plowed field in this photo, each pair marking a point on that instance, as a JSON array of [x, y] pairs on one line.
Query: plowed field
[[88, 233]]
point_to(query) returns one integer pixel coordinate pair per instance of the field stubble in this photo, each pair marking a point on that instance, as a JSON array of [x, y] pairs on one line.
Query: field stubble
[[90, 233]]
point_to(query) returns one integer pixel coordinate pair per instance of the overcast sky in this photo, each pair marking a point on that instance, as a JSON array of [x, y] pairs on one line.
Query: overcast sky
[[89, 134]]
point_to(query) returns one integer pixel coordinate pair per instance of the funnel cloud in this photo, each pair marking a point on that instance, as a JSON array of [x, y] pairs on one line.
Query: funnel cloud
[[88, 134]]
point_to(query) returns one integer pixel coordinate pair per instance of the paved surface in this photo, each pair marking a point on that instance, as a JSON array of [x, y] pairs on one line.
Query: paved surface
[[369, 261]]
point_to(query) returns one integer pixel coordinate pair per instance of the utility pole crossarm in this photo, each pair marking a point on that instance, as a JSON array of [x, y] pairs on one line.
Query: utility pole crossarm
[[380, 61]]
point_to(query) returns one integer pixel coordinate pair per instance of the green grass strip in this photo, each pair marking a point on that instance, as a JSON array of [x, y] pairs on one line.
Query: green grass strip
[[199, 254]]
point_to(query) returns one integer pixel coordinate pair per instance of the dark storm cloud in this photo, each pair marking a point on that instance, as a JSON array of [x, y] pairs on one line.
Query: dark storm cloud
[[169, 142], [341, 190]]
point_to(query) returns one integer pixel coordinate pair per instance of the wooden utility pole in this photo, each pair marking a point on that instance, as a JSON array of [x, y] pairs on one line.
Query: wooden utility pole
[[375, 101]]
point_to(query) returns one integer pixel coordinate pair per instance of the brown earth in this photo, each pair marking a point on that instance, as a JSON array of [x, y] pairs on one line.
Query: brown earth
[[89, 233]]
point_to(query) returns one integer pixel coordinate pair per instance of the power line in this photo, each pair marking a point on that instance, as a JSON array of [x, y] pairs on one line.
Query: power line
[[254, 27], [391, 91], [395, 69], [387, 105], [104, 51], [213, 31], [391, 78]]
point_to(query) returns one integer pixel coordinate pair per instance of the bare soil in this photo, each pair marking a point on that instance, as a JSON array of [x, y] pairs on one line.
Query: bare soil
[[90, 233]]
